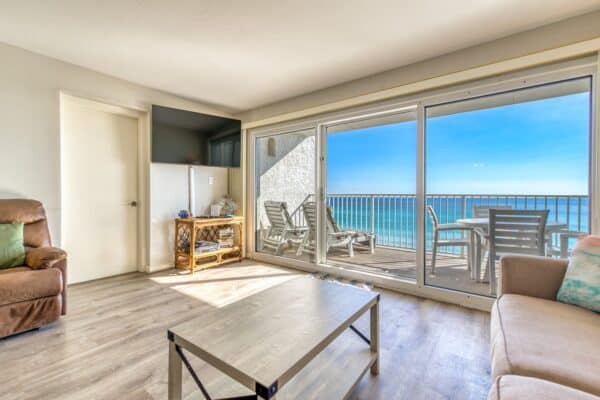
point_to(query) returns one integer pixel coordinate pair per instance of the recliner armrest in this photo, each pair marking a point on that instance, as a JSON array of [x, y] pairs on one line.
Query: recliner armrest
[[50, 257], [533, 276], [44, 257]]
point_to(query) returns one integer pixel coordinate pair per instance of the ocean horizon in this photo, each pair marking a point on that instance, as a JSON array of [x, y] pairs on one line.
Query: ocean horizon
[[394, 216]]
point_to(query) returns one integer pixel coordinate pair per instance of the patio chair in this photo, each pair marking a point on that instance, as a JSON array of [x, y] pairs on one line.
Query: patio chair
[[437, 242], [282, 231], [361, 239], [484, 211], [560, 248], [342, 239], [515, 232]]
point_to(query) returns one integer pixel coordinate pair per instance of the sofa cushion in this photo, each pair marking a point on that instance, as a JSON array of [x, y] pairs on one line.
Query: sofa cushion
[[14, 269], [513, 387], [546, 339], [581, 285], [23, 285]]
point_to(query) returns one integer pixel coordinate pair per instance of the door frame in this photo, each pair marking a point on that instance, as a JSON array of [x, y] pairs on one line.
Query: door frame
[[321, 170], [143, 165]]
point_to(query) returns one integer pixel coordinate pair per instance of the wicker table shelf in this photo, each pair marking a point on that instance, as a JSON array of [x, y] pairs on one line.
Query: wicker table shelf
[[188, 230]]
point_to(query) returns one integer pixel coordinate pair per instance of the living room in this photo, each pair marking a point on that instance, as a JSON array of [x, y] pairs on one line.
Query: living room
[[299, 200]]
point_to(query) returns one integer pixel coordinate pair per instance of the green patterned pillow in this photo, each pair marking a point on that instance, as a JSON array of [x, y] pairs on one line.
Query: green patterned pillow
[[12, 251], [581, 285]]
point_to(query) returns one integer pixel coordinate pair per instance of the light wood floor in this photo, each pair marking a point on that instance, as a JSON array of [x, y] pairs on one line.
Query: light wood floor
[[112, 344]]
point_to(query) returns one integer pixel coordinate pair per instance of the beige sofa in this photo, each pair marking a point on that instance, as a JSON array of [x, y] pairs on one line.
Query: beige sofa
[[541, 349]]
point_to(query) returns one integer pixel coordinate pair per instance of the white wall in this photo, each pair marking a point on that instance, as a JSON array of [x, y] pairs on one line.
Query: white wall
[[288, 175], [562, 33], [236, 188], [30, 85], [169, 193]]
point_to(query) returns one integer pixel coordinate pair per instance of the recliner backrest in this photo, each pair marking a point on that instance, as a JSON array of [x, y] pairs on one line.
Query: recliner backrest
[[32, 214]]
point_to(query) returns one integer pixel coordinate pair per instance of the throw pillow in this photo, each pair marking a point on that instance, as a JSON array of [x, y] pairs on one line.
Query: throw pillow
[[581, 285], [12, 251]]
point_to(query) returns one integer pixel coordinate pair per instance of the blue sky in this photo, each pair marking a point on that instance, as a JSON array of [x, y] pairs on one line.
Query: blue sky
[[537, 147]]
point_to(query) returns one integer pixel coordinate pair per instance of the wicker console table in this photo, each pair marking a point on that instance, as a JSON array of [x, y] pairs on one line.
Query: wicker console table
[[188, 230]]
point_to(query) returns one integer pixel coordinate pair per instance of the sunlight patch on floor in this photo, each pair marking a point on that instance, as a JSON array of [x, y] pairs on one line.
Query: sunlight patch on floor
[[225, 285]]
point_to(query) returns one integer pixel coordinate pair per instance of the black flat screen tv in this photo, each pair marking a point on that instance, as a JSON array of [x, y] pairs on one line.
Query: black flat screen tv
[[185, 137]]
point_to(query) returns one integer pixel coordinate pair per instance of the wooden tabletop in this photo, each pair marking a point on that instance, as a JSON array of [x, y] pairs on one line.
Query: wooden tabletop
[[270, 336]]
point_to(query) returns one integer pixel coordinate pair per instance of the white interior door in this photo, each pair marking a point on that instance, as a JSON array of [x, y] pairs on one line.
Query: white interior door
[[99, 156]]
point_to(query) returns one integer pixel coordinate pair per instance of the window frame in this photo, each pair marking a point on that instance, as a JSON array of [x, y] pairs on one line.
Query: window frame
[[530, 77]]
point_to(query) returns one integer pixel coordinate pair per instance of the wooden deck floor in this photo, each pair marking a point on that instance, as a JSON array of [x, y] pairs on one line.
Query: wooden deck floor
[[113, 344], [451, 271]]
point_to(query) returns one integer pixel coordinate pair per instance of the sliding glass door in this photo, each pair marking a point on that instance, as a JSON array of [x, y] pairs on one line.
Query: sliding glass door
[[526, 150], [370, 197], [428, 196]]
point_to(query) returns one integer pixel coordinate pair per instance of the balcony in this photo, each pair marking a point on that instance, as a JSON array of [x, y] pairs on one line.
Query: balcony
[[393, 219]]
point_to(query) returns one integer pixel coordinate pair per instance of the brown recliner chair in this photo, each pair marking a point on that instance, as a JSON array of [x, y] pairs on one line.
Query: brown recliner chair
[[33, 294]]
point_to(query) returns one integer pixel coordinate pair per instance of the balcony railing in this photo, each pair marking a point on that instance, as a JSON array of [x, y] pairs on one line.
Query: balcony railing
[[393, 216]]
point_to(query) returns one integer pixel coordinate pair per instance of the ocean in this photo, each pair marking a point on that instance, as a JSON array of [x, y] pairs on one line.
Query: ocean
[[393, 217]]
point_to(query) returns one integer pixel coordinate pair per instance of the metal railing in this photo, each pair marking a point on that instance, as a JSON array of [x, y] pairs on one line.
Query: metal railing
[[392, 217]]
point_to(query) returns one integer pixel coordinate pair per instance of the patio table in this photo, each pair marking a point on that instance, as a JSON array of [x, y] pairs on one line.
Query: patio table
[[482, 224]]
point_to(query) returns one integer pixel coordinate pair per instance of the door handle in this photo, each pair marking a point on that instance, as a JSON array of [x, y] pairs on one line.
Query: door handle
[[133, 203]]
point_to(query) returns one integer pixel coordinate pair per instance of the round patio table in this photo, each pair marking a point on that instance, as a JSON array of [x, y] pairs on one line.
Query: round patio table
[[482, 224]]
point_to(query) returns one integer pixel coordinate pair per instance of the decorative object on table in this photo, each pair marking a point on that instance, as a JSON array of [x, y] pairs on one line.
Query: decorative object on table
[[215, 210], [581, 284], [197, 230], [183, 214], [228, 205]]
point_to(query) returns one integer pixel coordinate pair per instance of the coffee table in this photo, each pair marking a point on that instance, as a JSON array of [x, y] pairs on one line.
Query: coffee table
[[294, 340]]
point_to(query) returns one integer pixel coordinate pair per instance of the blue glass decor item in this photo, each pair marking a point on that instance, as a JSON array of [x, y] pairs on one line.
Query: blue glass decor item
[[183, 214]]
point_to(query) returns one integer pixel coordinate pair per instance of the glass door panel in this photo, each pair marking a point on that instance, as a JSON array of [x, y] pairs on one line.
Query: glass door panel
[[526, 150], [284, 180], [371, 195]]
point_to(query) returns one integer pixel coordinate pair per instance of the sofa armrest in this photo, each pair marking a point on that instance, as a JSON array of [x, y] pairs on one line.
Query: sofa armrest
[[533, 276], [50, 257], [44, 257]]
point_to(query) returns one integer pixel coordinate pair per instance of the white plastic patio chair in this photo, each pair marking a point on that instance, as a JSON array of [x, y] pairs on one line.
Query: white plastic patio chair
[[342, 239], [438, 242], [361, 238], [515, 232], [282, 230]]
